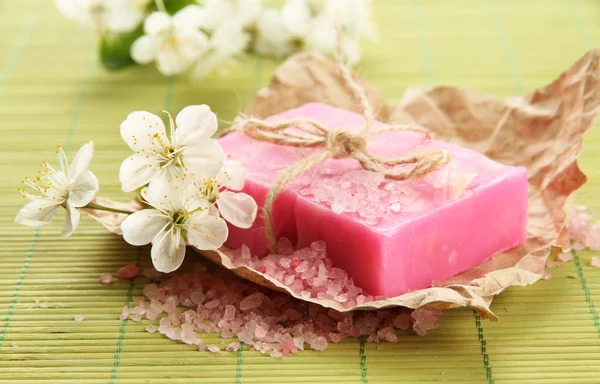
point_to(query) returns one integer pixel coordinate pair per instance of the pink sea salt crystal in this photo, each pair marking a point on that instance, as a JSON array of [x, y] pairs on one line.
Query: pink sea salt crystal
[[592, 240], [319, 343], [388, 334], [595, 262], [251, 302], [128, 272], [214, 348], [546, 276], [151, 328], [124, 313], [212, 304], [402, 321], [276, 354], [79, 317], [106, 278], [233, 346], [471, 210], [565, 257], [229, 313]]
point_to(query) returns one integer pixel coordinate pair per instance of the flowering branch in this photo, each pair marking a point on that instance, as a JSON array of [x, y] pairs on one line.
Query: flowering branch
[[182, 175], [98, 207]]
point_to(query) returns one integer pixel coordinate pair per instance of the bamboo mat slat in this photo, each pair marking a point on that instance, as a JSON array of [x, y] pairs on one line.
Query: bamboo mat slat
[[53, 91]]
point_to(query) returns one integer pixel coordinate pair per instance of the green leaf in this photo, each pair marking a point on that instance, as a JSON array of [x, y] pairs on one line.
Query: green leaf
[[114, 48], [172, 6]]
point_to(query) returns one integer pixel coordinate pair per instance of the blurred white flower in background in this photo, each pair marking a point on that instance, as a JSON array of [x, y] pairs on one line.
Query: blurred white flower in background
[[70, 187], [216, 12], [212, 35], [227, 43], [174, 42], [105, 15]]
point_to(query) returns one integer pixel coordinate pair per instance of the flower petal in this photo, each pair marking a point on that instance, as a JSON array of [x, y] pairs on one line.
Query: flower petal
[[189, 17], [203, 159], [168, 251], [141, 227], [143, 131], [37, 213], [121, 16], [81, 161], [233, 175], [157, 23], [169, 62], [195, 123], [83, 189], [296, 16], [143, 50], [237, 208], [206, 232], [137, 171], [190, 44], [165, 195], [71, 220]]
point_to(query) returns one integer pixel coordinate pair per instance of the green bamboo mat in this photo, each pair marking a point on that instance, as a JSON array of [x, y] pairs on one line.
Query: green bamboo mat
[[52, 91]]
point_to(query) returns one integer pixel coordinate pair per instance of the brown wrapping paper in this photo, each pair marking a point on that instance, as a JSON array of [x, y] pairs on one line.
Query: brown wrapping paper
[[542, 131]]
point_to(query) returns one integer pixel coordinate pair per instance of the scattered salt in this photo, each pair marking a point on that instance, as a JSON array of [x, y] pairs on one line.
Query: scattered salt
[[565, 257], [214, 349], [106, 278], [595, 262], [234, 346], [151, 328], [79, 317], [128, 272]]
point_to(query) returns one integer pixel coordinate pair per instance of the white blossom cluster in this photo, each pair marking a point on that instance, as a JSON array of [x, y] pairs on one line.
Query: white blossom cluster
[[188, 186], [205, 35]]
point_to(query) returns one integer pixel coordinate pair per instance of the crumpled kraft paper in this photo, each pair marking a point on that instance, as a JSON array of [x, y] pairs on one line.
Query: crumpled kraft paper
[[542, 131]]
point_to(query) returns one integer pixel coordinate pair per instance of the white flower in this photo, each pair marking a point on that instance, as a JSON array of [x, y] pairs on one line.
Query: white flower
[[187, 149], [227, 42], [178, 212], [354, 16], [175, 43], [237, 208], [71, 187], [279, 32], [322, 37], [216, 12], [113, 15]]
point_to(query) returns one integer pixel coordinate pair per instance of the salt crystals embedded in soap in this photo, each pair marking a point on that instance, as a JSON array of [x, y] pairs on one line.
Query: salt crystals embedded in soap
[[390, 236]]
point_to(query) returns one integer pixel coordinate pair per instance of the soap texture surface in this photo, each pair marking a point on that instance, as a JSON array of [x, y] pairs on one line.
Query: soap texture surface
[[391, 237]]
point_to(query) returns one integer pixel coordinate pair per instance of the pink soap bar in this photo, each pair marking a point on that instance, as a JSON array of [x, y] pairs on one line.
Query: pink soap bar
[[391, 237]]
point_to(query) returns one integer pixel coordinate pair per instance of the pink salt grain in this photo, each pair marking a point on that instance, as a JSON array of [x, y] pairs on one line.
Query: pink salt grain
[[234, 346], [106, 278], [595, 262], [128, 272], [319, 344], [276, 354], [214, 349], [151, 329], [79, 317], [565, 257], [251, 302]]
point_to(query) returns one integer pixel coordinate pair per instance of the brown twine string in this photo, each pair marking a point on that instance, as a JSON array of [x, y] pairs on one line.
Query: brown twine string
[[336, 143]]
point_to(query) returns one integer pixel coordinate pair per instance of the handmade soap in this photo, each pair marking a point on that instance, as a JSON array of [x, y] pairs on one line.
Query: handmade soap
[[390, 236]]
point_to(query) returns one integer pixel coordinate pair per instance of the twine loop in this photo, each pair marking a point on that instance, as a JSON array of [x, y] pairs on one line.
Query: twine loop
[[336, 143]]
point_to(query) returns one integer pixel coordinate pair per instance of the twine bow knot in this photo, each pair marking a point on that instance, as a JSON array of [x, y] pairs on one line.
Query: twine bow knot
[[336, 143]]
